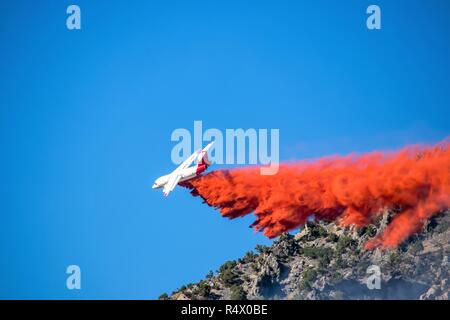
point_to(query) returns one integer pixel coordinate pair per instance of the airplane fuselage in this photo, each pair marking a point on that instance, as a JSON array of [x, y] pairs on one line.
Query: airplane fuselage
[[184, 171], [186, 174]]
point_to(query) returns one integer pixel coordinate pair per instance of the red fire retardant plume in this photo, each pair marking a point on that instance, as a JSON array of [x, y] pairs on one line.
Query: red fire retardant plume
[[352, 190]]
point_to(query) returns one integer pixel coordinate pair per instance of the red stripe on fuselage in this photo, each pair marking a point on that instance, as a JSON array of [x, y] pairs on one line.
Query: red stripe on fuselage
[[201, 167]]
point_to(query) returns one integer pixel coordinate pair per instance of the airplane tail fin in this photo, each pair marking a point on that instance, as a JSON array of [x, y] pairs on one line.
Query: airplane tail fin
[[202, 160]]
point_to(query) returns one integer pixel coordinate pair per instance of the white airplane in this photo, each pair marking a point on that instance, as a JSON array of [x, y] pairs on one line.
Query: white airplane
[[184, 171]]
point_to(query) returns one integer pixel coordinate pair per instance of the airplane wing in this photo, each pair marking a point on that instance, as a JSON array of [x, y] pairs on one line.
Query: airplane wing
[[175, 176], [171, 184], [186, 163]]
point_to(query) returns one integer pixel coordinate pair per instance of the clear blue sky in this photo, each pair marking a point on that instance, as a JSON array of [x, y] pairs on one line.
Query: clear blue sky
[[86, 118]]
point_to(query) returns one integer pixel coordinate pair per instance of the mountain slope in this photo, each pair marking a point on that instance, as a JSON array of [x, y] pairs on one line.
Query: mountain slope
[[325, 261]]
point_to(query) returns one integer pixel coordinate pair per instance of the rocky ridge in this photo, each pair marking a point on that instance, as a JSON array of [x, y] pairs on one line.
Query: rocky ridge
[[325, 261]]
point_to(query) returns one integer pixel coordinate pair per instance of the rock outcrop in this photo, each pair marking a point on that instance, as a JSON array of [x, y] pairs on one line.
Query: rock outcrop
[[325, 261]]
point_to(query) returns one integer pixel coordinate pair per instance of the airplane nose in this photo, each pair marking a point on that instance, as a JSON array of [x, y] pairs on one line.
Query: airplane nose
[[154, 186]]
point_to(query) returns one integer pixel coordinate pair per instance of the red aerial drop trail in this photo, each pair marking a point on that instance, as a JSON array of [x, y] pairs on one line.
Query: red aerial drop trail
[[352, 190]]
